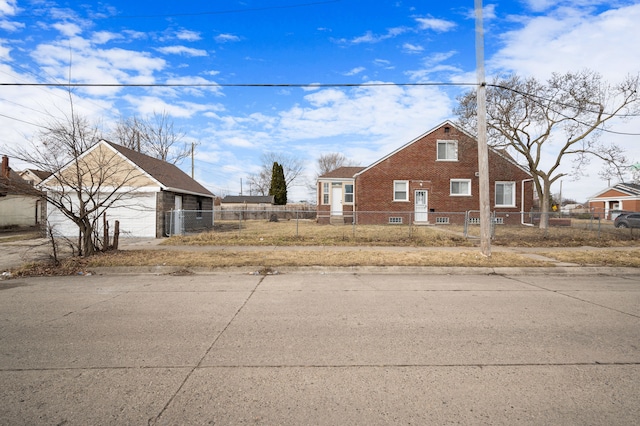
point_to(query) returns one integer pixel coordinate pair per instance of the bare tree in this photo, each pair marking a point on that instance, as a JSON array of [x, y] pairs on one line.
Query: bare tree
[[332, 161], [82, 187], [560, 119], [292, 167], [154, 136]]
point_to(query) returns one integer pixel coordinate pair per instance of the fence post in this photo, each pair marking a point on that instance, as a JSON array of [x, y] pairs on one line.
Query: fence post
[[297, 235]]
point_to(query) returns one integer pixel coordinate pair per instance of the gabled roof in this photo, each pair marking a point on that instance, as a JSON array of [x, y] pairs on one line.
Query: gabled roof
[[249, 199], [628, 189], [450, 124], [40, 174], [167, 174], [15, 185], [342, 172]]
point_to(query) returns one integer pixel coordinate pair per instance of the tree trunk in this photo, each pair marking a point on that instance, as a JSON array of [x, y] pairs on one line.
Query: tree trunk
[[544, 205], [86, 233]]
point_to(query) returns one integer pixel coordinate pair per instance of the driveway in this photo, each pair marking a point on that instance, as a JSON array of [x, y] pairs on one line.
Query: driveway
[[320, 348]]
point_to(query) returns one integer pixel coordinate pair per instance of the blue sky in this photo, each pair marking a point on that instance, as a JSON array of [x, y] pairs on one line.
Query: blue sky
[[295, 42]]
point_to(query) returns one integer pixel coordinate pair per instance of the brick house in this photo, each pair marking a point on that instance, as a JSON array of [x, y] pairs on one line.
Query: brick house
[[150, 189], [431, 179], [620, 197]]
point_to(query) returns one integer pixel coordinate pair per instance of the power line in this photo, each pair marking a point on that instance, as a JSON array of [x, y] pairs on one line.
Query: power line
[[293, 85], [539, 100]]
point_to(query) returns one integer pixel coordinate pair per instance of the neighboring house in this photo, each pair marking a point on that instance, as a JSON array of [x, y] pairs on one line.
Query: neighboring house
[[152, 188], [431, 179], [336, 195], [246, 206], [34, 177], [609, 202], [21, 204], [573, 209]]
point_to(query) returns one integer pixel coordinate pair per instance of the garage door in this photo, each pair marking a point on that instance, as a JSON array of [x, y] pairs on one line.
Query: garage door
[[137, 218]]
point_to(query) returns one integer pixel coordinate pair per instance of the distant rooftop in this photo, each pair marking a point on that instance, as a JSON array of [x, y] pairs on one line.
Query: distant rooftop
[[249, 199]]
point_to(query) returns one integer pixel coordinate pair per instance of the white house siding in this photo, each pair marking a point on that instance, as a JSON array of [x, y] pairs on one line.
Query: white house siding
[[18, 210], [137, 218]]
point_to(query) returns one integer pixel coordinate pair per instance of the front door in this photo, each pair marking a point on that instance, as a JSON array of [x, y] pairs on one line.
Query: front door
[[336, 200], [420, 205], [177, 216]]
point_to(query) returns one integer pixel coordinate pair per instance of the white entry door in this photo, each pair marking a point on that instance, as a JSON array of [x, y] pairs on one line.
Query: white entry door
[[336, 201], [177, 216], [421, 206]]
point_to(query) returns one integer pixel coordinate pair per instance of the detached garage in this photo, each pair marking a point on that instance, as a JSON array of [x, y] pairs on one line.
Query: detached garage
[[133, 188]]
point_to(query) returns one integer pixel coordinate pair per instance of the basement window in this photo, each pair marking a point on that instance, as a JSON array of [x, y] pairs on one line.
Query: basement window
[[395, 220], [442, 220]]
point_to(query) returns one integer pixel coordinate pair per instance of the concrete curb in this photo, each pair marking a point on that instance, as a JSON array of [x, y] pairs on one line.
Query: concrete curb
[[378, 270]]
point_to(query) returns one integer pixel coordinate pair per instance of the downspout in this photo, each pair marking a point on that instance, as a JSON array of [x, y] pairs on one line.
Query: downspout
[[355, 200], [522, 204]]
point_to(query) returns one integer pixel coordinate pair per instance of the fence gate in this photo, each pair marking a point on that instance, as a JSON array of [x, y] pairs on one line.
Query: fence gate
[[472, 217]]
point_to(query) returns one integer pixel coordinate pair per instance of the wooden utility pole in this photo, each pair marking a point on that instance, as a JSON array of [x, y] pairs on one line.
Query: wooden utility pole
[[193, 164], [483, 152]]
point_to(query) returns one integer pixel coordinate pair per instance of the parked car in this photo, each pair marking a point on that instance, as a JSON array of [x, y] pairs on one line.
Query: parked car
[[627, 220]]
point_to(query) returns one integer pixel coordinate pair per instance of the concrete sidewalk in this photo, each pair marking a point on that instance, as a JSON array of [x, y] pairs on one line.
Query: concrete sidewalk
[[320, 348]]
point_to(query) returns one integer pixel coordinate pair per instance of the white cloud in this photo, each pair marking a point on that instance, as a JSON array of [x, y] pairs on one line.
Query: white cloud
[[370, 38], [148, 105], [182, 50], [68, 29], [354, 71], [574, 41], [226, 38], [188, 35], [434, 24], [412, 48], [103, 37], [4, 51], [488, 12], [11, 26], [8, 7]]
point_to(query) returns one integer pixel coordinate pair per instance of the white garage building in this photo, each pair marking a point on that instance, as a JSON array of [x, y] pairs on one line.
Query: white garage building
[[137, 190]]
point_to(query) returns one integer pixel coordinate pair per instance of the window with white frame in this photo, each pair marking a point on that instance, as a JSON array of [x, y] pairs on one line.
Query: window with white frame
[[348, 193], [460, 187], [400, 190], [447, 150], [325, 193], [505, 194]]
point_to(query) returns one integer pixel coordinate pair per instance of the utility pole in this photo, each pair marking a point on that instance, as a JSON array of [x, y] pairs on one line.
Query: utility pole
[[483, 152], [193, 164]]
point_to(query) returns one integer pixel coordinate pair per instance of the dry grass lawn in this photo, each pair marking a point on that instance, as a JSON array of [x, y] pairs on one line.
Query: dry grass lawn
[[308, 233], [301, 257], [271, 247]]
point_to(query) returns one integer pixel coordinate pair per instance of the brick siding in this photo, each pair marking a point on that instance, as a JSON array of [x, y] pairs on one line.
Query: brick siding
[[417, 163]]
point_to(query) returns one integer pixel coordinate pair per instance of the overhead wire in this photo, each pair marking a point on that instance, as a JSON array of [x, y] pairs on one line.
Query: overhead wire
[[311, 85]]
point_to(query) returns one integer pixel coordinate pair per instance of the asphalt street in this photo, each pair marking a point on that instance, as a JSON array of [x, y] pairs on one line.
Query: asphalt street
[[320, 348]]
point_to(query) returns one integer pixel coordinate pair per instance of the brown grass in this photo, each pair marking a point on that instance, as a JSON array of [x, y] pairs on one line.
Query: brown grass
[[302, 257], [308, 233], [348, 246], [611, 258]]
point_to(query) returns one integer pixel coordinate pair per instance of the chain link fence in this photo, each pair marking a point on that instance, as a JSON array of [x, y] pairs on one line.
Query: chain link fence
[[183, 222], [387, 226]]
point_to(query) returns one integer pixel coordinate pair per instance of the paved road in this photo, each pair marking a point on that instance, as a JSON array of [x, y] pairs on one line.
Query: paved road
[[320, 348]]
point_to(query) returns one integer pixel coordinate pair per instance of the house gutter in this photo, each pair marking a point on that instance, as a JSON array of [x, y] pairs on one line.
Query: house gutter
[[522, 204], [182, 191]]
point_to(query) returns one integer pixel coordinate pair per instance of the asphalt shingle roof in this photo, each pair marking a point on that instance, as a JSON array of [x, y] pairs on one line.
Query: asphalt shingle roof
[[343, 172], [169, 175]]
